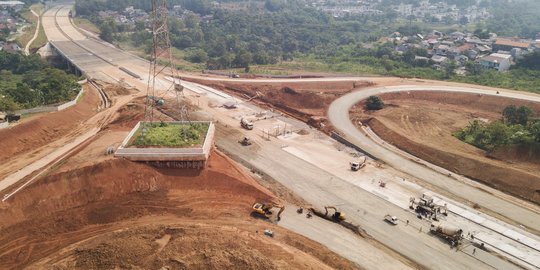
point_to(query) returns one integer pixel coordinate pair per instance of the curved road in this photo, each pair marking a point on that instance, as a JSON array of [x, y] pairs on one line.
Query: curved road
[[338, 114], [36, 33]]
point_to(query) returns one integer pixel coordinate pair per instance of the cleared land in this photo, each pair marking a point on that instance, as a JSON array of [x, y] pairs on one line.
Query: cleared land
[[306, 101], [76, 217], [422, 124]]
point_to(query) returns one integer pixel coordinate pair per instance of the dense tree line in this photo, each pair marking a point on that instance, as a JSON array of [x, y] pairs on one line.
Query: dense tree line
[[517, 127], [511, 18], [286, 30], [238, 38], [27, 81]]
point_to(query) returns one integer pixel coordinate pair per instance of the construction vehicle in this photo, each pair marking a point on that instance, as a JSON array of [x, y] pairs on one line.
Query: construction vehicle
[[448, 232], [265, 209], [245, 123], [426, 206], [157, 100], [391, 219], [357, 165], [10, 117], [337, 216], [246, 141]]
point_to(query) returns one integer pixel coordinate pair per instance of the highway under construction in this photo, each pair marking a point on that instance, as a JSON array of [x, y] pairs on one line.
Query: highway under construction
[[364, 200]]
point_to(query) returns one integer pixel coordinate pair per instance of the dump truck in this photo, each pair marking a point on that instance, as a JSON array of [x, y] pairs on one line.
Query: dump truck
[[391, 219], [450, 233], [247, 124]]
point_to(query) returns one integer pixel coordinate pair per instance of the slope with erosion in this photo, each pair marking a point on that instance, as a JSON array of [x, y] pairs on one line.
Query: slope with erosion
[[204, 213]]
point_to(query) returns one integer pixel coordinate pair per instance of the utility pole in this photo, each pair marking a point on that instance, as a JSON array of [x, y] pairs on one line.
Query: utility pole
[[161, 62]]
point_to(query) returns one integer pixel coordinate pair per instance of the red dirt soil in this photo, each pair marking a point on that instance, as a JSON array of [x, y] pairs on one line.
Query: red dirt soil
[[97, 212], [42, 129], [202, 218], [306, 101], [422, 124]]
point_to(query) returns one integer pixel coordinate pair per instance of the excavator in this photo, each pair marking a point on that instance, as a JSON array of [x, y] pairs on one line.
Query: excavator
[[337, 216], [265, 209]]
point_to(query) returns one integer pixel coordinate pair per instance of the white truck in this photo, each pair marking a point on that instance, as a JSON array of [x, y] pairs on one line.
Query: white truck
[[391, 219], [247, 124], [358, 164]]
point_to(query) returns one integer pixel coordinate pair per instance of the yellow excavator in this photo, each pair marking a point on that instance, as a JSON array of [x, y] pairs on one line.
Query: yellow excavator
[[265, 209], [337, 216]]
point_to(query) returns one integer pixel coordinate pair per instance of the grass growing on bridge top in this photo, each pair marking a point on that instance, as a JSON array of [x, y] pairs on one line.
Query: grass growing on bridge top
[[173, 135]]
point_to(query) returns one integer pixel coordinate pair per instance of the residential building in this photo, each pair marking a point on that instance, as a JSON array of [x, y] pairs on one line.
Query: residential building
[[507, 44], [10, 47], [438, 59], [15, 5], [497, 61]]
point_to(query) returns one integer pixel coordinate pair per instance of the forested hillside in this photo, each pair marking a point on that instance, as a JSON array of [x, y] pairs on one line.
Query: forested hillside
[[27, 81]]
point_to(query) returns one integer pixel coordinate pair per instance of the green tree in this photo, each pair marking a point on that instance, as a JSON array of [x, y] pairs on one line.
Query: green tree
[[450, 69], [374, 103], [510, 114], [499, 134], [522, 114], [535, 131], [530, 61], [106, 32]]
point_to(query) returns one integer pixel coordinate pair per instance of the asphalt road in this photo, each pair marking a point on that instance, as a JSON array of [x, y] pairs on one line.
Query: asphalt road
[[338, 114]]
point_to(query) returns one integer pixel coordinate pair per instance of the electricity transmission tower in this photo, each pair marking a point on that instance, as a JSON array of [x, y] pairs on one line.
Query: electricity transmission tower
[[161, 63]]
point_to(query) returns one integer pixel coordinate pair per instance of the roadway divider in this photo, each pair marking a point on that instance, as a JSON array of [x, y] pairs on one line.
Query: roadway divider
[[345, 142]]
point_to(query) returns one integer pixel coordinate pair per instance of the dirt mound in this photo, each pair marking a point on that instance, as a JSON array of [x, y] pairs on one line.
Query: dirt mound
[[43, 226], [422, 123], [129, 115], [177, 246], [300, 100], [38, 131], [113, 90]]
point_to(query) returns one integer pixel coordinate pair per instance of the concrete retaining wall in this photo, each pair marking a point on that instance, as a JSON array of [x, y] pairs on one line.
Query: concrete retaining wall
[[51, 108], [345, 142], [167, 154]]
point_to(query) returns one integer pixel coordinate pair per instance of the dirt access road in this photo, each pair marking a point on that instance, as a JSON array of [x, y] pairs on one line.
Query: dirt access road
[[339, 116]]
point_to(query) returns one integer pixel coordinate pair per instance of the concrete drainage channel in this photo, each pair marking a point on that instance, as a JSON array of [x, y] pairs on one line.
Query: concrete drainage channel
[[104, 98]]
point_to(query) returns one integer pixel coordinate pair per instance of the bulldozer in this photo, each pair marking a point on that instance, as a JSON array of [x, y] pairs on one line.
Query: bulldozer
[[264, 210], [337, 216], [246, 141]]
